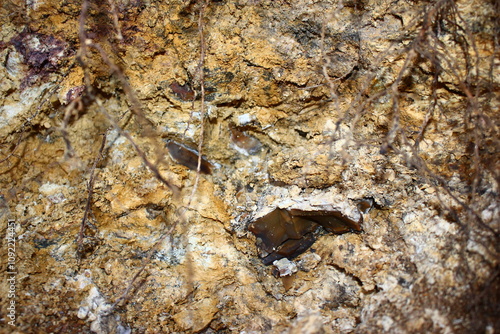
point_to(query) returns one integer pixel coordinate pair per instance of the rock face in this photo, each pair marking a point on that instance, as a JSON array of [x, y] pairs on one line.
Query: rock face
[[389, 108]]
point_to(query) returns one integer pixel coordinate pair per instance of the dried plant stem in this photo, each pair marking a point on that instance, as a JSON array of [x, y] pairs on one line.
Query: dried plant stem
[[428, 46], [136, 108], [116, 22], [190, 269], [202, 82], [136, 105], [27, 122], [90, 191], [13, 150], [151, 166]]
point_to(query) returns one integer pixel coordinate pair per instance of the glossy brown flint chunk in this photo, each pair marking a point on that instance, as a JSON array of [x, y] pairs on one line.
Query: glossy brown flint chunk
[[183, 92], [277, 226], [291, 249], [243, 140], [188, 157], [332, 221], [289, 233]]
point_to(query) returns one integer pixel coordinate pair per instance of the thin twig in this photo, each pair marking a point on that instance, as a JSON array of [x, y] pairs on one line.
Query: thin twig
[[116, 22], [202, 83], [90, 191], [152, 167], [7, 157], [201, 65]]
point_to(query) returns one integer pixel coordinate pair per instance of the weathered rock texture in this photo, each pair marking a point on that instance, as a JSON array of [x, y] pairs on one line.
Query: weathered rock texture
[[296, 104]]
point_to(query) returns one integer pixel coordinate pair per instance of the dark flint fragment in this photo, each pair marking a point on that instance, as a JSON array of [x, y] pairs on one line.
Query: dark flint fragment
[[278, 226], [188, 157], [270, 229], [183, 92], [245, 141], [366, 204], [288, 233], [291, 249], [332, 221]]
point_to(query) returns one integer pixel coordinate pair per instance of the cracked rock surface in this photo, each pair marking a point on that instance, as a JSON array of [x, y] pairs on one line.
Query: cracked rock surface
[[308, 105]]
